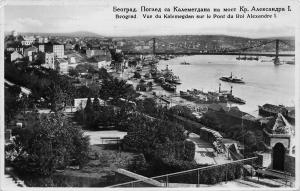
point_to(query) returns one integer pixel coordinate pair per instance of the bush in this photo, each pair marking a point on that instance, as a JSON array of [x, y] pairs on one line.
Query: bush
[[138, 164], [137, 75]]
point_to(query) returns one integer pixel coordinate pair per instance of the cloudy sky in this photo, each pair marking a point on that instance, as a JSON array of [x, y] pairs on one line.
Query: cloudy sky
[[98, 17]]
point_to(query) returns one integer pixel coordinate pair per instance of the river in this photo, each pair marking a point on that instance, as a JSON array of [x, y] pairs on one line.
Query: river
[[264, 82]]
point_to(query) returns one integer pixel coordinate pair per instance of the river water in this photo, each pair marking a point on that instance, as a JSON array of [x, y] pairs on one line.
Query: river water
[[264, 82]]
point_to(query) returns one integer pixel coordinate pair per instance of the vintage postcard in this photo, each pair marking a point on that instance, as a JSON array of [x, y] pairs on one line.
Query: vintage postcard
[[116, 94]]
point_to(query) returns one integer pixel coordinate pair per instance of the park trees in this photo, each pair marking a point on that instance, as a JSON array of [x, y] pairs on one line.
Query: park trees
[[47, 144], [116, 89]]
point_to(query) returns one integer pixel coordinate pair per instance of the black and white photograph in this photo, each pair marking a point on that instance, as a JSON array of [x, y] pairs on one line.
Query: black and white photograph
[[115, 94]]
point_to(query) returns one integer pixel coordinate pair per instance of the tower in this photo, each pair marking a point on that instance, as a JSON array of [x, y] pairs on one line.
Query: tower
[[14, 33], [276, 60], [154, 43]]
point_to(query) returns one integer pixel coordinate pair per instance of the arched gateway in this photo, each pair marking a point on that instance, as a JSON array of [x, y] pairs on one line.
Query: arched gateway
[[278, 157]]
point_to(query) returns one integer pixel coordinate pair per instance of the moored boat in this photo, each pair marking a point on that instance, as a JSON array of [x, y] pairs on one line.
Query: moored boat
[[169, 87]]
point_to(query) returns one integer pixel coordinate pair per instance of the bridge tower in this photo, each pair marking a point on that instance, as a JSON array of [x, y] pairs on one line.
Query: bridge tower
[[276, 60], [154, 44]]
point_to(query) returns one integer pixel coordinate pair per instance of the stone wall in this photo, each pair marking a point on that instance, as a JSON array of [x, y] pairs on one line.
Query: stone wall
[[289, 164]]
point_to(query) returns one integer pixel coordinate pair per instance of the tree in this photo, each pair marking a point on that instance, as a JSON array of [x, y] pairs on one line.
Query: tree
[[88, 107], [40, 59], [96, 104], [12, 103], [73, 72], [137, 75], [103, 73], [47, 144], [112, 87], [89, 115]]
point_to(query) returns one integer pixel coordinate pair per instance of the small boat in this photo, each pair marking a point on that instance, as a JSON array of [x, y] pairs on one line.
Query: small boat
[[185, 63], [243, 58], [232, 79], [159, 80], [291, 62]]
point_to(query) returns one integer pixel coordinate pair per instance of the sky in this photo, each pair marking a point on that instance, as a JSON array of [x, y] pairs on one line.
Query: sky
[[98, 17]]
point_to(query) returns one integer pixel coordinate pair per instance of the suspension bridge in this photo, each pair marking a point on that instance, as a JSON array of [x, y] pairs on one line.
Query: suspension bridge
[[236, 51]]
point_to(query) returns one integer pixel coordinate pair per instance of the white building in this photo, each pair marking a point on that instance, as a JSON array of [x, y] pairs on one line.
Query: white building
[[27, 41], [41, 48], [15, 55], [81, 102], [62, 65], [59, 50], [103, 64], [56, 48], [72, 60], [49, 61], [96, 52], [14, 33]]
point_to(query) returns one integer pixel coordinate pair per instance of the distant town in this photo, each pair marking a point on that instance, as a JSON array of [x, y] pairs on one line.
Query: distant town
[[84, 110]]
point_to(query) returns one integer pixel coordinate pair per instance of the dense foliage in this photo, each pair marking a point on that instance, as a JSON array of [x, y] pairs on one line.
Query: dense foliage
[[157, 138], [48, 88], [94, 115], [115, 89], [182, 111], [150, 107], [12, 101], [48, 143]]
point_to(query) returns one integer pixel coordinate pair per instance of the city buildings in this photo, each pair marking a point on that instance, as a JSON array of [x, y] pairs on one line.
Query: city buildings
[[27, 41], [15, 56], [56, 48], [15, 46], [28, 52], [62, 65], [41, 47], [96, 52], [49, 60]]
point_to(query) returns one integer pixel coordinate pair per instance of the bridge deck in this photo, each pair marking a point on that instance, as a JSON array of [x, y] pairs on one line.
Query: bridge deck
[[212, 53]]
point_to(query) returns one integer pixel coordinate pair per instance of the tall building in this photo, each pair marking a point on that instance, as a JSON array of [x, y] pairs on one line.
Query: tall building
[[41, 48], [49, 60], [56, 48]]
